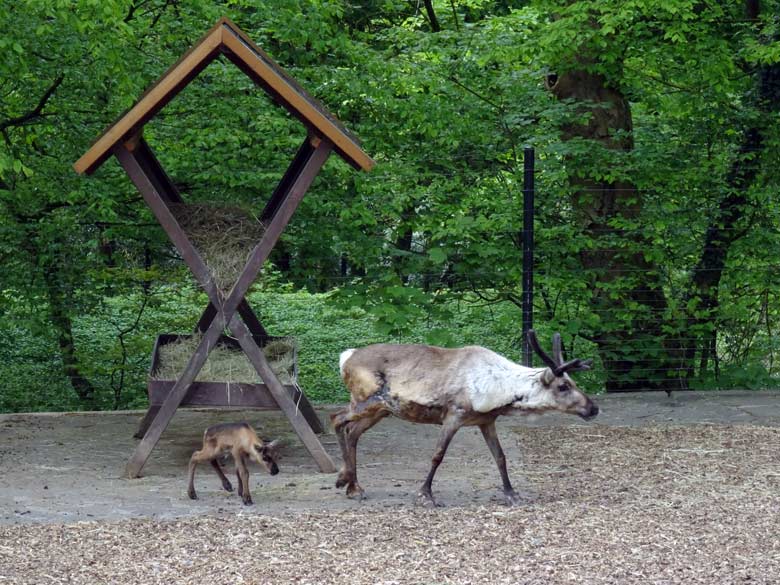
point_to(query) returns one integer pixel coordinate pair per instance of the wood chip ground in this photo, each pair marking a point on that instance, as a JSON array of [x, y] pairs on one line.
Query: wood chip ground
[[662, 505]]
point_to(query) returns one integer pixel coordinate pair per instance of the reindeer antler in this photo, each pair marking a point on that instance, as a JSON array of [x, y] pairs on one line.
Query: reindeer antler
[[556, 363], [548, 361], [576, 365]]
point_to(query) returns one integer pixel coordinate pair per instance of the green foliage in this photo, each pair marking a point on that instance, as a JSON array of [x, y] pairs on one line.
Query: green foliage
[[322, 329], [437, 226]]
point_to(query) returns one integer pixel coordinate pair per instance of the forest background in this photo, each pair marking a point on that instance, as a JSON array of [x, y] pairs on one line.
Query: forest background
[[656, 126]]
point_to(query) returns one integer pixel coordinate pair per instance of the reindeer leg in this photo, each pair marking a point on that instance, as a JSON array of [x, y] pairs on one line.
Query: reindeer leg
[[344, 474], [353, 430], [197, 457], [225, 481], [339, 420], [450, 427], [243, 476], [491, 438]]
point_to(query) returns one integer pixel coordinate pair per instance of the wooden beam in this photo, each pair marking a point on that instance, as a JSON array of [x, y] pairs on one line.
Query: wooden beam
[[134, 167], [226, 310], [292, 172], [264, 71], [300, 424], [166, 88], [307, 410], [154, 170], [247, 315], [173, 400]]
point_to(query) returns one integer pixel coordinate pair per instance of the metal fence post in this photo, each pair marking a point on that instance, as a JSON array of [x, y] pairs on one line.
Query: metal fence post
[[528, 252]]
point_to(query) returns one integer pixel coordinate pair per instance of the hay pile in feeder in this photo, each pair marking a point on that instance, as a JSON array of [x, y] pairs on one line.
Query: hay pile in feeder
[[225, 364], [224, 236]]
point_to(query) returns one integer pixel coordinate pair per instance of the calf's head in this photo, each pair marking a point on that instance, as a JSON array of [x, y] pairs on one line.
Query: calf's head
[[559, 391], [268, 454]]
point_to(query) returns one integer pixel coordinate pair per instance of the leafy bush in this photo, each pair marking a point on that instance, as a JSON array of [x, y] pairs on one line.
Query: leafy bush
[[115, 343]]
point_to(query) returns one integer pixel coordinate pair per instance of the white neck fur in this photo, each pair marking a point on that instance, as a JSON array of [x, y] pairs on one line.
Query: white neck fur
[[494, 381]]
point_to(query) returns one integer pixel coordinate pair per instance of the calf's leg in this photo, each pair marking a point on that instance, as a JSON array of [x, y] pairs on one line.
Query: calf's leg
[[225, 481], [243, 477], [197, 457]]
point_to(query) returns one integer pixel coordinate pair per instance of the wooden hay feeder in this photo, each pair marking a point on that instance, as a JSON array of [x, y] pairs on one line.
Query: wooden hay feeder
[[245, 388], [228, 307]]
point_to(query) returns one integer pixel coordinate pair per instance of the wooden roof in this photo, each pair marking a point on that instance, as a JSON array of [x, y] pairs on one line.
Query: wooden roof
[[225, 38]]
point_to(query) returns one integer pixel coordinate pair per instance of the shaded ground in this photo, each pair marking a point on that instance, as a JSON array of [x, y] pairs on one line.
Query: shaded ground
[[658, 491]]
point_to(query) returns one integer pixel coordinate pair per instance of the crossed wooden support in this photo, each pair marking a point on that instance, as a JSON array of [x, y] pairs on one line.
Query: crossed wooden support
[[232, 312], [124, 139]]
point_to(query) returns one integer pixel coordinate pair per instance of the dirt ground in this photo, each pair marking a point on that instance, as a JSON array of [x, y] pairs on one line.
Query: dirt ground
[[655, 490]]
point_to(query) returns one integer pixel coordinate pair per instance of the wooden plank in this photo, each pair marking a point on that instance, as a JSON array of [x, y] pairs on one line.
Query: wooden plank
[[281, 218], [289, 202], [173, 400], [163, 91], [206, 318], [130, 162], [282, 397], [251, 320], [246, 312], [296, 166], [143, 426], [154, 170], [250, 59], [233, 394], [306, 409], [168, 408]]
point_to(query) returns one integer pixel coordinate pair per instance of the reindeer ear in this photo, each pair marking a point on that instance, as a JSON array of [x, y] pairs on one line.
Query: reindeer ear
[[548, 376]]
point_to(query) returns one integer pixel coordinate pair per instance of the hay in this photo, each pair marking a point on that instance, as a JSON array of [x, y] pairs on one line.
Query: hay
[[225, 364], [224, 236]]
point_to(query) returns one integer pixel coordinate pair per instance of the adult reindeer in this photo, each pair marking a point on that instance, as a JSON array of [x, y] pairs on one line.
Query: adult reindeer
[[450, 387]]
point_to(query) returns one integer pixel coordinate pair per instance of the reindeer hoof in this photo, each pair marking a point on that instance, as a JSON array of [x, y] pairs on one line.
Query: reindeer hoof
[[513, 498], [426, 500], [228, 486], [344, 478], [355, 492], [248, 501], [192, 495]]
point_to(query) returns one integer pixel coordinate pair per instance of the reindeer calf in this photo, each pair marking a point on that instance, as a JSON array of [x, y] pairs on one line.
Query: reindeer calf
[[242, 442]]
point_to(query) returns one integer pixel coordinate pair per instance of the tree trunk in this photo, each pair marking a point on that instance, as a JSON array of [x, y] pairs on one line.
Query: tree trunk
[[403, 243], [60, 319], [722, 232], [728, 223], [434, 22], [635, 352]]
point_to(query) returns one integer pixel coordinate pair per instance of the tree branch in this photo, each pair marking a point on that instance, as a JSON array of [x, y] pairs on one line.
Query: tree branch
[[35, 112], [432, 16]]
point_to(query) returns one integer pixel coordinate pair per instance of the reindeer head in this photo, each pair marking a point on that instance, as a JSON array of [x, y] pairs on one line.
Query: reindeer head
[[267, 453], [563, 392]]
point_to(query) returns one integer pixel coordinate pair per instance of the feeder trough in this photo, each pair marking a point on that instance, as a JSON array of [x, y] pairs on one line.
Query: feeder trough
[[204, 392]]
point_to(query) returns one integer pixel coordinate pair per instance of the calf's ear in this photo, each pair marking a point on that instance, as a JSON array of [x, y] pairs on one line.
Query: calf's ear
[[272, 445]]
